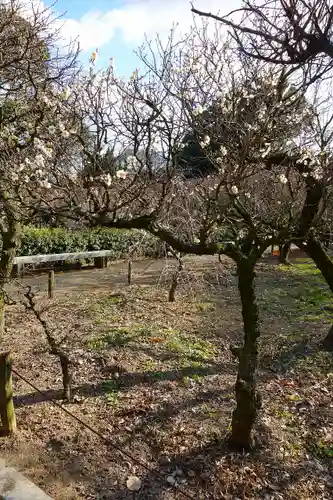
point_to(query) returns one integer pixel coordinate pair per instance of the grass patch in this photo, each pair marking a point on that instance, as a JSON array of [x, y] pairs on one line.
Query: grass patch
[[206, 306], [302, 267], [120, 336], [106, 305], [149, 365], [198, 350], [321, 448], [319, 364], [304, 296], [110, 389]]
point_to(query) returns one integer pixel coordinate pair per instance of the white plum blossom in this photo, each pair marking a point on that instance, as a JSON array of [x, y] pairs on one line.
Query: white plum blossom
[[38, 143], [39, 173], [48, 152], [45, 184], [39, 160], [132, 162], [318, 173], [198, 110], [266, 151], [107, 179], [242, 233], [283, 179], [223, 151], [65, 134], [121, 174], [234, 190], [52, 130], [205, 142]]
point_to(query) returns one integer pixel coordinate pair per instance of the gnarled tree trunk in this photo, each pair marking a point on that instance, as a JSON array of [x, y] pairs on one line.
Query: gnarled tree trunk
[[318, 254], [10, 241], [248, 400]]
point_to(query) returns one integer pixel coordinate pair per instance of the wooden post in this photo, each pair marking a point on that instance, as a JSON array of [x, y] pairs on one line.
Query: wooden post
[[175, 278], [51, 284], [129, 273], [6, 395]]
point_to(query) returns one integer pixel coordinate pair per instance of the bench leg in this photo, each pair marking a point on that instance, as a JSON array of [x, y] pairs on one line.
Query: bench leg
[[100, 262], [18, 270]]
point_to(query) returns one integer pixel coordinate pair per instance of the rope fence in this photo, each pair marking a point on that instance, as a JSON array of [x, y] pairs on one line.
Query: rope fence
[[108, 441]]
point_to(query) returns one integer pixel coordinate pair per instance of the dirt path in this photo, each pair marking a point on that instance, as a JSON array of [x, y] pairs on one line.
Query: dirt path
[[148, 271], [88, 279]]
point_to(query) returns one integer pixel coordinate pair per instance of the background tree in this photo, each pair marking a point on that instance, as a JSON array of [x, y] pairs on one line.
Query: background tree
[[242, 209], [296, 35], [34, 77]]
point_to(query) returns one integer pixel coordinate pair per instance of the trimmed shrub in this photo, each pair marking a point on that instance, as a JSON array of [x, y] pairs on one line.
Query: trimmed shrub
[[37, 241]]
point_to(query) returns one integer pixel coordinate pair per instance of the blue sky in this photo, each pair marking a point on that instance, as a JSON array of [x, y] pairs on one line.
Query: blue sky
[[117, 27]]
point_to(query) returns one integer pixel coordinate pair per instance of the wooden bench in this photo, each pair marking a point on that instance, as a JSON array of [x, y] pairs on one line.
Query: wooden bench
[[99, 256]]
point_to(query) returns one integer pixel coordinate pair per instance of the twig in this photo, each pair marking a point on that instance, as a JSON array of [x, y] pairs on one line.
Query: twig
[[55, 347]]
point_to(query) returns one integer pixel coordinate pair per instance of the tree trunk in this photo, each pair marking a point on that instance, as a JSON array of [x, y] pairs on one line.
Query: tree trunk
[[318, 254], [327, 343], [248, 401], [284, 254], [10, 241]]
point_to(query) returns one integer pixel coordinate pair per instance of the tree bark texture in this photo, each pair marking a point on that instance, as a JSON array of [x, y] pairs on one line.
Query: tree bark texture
[[10, 241], [318, 254], [6, 395], [248, 400]]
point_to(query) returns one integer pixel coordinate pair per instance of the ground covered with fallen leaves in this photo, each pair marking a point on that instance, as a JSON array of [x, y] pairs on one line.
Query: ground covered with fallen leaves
[[157, 379]]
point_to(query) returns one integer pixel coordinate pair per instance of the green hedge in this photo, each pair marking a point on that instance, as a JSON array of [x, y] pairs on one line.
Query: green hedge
[[36, 241]]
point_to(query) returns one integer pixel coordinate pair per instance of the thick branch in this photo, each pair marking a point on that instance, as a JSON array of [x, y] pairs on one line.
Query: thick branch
[[148, 223]]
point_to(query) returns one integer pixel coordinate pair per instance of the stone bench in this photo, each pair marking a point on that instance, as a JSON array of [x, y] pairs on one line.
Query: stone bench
[[14, 486], [99, 256]]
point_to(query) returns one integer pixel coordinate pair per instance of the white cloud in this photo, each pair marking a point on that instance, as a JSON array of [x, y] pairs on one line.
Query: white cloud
[[135, 19]]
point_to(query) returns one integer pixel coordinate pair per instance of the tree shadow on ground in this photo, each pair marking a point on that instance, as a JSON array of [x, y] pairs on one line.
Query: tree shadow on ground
[[125, 381], [214, 471], [101, 479]]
